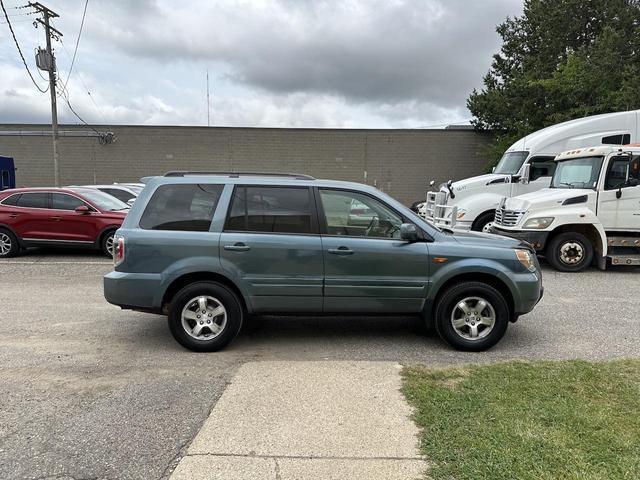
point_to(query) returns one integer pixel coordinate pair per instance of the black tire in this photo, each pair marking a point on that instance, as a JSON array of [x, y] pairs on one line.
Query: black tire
[[482, 221], [569, 252], [446, 306], [105, 245], [9, 246], [224, 297]]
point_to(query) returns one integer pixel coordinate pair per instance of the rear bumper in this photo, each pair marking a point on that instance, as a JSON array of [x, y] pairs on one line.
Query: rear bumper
[[135, 291], [538, 240]]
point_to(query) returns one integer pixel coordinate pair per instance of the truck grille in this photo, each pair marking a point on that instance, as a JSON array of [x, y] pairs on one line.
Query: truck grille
[[507, 218]]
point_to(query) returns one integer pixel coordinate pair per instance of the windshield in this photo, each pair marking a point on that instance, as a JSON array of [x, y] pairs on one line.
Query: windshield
[[577, 173], [101, 200], [511, 162]]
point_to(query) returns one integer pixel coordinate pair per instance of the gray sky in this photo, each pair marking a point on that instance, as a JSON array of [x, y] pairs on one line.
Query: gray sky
[[284, 63]]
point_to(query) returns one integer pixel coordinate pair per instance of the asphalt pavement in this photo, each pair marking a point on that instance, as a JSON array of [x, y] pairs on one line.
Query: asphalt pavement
[[90, 391]]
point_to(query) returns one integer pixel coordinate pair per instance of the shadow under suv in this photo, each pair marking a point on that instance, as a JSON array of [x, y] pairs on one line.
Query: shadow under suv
[[209, 249]]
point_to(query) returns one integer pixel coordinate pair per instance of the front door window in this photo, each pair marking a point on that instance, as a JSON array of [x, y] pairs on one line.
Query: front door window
[[357, 215]]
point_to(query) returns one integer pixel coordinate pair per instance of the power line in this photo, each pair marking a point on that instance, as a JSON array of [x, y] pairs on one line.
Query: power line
[[20, 50], [75, 51]]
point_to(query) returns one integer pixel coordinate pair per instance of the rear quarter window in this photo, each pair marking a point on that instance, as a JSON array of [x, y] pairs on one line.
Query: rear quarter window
[[181, 207], [11, 200]]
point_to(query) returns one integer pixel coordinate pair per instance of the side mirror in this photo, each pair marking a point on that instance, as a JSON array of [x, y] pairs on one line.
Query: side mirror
[[493, 169], [409, 232], [82, 209], [131, 201], [524, 178], [432, 183]]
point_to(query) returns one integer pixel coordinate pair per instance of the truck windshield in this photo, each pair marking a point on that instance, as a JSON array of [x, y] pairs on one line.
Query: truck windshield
[[511, 162], [577, 173]]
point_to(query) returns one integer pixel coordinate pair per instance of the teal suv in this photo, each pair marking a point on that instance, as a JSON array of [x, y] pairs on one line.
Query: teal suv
[[208, 249]]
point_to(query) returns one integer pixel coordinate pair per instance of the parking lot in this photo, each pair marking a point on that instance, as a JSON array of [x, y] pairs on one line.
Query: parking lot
[[90, 391]]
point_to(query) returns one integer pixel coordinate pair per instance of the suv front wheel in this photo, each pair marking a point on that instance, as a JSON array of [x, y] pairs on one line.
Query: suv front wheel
[[205, 316], [471, 316]]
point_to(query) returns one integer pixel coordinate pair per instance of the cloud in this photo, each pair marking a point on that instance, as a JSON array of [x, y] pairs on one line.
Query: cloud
[[287, 62]]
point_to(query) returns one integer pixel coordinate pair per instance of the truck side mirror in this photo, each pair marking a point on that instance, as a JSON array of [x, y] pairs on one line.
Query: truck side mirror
[[524, 178], [493, 169]]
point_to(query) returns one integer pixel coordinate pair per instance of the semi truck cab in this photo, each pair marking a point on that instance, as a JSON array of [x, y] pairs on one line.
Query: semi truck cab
[[527, 166], [590, 212]]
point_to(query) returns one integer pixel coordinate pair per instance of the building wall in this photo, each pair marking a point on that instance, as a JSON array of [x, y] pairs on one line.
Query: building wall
[[399, 162]]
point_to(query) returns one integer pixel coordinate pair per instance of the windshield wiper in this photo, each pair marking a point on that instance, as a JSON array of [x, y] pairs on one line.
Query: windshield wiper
[[119, 209], [570, 185]]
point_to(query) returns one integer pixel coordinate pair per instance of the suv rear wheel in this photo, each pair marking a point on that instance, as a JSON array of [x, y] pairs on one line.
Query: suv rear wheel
[[205, 316], [471, 316], [9, 246]]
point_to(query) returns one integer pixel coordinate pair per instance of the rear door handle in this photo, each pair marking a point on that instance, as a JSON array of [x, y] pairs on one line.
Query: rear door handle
[[238, 247], [341, 251], [56, 219], [14, 215]]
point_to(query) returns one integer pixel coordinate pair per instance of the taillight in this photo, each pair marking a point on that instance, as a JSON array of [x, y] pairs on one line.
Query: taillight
[[118, 250]]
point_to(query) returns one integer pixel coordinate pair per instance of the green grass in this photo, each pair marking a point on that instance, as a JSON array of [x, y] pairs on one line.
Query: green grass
[[541, 420]]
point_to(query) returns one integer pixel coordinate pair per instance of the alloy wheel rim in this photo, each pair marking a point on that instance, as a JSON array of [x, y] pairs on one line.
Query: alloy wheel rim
[[110, 244], [204, 317], [5, 244], [571, 253], [473, 318]]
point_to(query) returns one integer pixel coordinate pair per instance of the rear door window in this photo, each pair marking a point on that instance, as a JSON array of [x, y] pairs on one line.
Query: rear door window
[[12, 200], [183, 207], [34, 200], [271, 210]]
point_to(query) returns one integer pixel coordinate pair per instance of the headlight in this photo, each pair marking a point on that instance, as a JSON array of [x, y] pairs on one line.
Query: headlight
[[526, 259], [461, 213], [538, 223]]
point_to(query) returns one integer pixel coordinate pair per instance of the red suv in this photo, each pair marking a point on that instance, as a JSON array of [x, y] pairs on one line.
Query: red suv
[[80, 217]]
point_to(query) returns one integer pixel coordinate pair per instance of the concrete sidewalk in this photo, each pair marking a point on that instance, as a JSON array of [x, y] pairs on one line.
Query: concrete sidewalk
[[308, 420]]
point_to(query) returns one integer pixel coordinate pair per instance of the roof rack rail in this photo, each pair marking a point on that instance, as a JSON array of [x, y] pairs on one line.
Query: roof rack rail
[[181, 173]]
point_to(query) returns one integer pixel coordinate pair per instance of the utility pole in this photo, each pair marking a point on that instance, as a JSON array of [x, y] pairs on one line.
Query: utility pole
[[47, 61], [208, 123]]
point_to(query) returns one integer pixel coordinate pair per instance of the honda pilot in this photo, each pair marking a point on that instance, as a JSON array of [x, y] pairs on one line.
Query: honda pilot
[[207, 250]]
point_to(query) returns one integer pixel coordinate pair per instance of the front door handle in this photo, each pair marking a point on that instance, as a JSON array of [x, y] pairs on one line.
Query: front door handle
[[341, 251], [237, 247], [56, 219], [14, 215]]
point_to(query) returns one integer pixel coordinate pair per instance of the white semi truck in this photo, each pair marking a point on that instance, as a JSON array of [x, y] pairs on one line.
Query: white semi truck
[[527, 166], [590, 212]]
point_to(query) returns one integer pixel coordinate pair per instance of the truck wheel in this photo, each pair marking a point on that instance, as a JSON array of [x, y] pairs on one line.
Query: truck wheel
[[483, 223], [9, 246], [205, 316], [471, 316], [570, 252]]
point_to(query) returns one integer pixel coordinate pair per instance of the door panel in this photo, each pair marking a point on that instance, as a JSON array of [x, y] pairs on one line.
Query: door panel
[[272, 246], [374, 275], [367, 267], [279, 272], [32, 218], [620, 213], [69, 225]]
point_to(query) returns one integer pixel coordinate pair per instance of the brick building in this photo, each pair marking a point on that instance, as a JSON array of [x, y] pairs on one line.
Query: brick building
[[399, 162]]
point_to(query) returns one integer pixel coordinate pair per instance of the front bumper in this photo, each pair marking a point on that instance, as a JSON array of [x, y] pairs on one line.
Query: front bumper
[[538, 240]]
